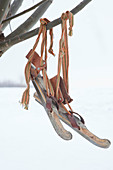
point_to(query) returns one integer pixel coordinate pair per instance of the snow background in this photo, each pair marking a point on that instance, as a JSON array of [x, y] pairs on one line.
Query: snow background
[[27, 139]]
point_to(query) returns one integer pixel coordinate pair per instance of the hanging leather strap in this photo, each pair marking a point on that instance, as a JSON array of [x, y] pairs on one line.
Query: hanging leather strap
[[63, 96], [43, 60], [63, 58]]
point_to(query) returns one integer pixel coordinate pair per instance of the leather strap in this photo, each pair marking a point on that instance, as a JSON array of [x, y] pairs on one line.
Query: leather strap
[[62, 92], [36, 59]]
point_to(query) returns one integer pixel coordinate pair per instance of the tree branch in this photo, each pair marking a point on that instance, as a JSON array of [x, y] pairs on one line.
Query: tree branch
[[3, 10], [13, 9], [31, 21], [8, 43], [9, 18]]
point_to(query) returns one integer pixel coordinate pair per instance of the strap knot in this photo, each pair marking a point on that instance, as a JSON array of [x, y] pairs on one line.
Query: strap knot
[[43, 21], [64, 16], [51, 51]]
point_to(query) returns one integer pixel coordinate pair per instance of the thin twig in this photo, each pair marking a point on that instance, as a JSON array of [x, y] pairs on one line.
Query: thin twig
[[4, 5], [13, 9], [31, 21], [19, 38], [23, 12]]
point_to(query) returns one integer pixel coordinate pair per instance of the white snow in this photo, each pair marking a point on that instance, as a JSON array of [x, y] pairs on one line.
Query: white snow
[[29, 142], [27, 138]]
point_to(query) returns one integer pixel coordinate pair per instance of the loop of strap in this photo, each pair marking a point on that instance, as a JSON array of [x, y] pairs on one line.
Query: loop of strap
[[63, 58], [43, 31]]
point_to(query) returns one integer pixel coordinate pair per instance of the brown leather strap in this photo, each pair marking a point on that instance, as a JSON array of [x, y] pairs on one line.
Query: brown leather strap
[[49, 103], [36, 62], [81, 118], [73, 120], [62, 92], [35, 58], [60, 96]]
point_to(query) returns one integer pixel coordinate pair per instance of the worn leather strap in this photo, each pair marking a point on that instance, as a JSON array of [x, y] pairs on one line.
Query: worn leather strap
[[36, 62], [60, 96], [73, 121], [62, 93]]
